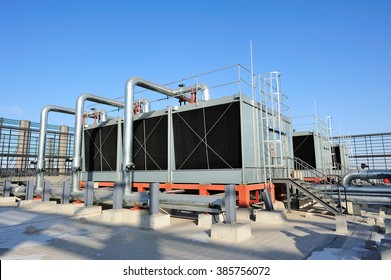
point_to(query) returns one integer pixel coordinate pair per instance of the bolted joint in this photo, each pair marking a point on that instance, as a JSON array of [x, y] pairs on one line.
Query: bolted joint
[[40, 170], [130, 167], [76, 169]]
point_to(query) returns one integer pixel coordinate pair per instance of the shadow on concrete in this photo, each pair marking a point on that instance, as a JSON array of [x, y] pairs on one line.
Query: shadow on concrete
[[61, 237]]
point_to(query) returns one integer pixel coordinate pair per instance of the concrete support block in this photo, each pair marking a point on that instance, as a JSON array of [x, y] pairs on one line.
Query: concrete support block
[[81, 210], [46, 207], [270, 217], [385, 249], [341, 224], [117, 216], [37, 205], [135, 216], [349, 206], [279, 205], [26, 204], [65, 209], [231, 232], [387, 226], [244, 214], [8, 201], [205, 220], [154, 222]]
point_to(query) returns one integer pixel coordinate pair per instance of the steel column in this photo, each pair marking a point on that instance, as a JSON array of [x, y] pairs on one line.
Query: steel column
[[89, 194], [118, 195], [66, 190], [29, 190], [230, 204], [46, 191], [154, 199]]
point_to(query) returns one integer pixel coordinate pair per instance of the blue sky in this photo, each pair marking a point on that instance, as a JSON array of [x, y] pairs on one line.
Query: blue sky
[[336, 54]]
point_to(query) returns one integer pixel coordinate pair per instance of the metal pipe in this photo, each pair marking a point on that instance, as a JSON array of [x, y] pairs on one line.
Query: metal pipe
[[128, 165], [368, 189], [365, 175], [77, 164], [205, 92], [146, 106], [42, 141], [104, 116]]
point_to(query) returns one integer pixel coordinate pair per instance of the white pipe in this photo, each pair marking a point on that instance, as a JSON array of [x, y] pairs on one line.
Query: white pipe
[[128, 165], [205, 92], [77, 164], [42, 141]]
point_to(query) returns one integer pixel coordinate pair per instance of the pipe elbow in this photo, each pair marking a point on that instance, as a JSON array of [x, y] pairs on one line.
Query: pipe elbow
[[132, 82]]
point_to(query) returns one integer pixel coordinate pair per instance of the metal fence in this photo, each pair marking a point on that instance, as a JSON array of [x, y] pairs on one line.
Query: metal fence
[[19, 148]]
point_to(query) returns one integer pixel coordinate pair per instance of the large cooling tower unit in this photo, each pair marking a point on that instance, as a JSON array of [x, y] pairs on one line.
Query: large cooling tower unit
[[219, 141]]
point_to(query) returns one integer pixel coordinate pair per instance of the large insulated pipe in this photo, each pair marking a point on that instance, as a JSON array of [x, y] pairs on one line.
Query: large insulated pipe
[[77, 164], [365, 175], [131, 83], [42, 141]]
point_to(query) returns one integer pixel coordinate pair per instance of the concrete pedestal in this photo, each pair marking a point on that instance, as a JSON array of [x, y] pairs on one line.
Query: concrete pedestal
[[231, 232], [38, 205], [116, 216], [207, 220], [271, 217], [82, 211], [278, 205], [8, 201], [341, 224], [244, 214], [156, 221], [123, 216], [353, 208]]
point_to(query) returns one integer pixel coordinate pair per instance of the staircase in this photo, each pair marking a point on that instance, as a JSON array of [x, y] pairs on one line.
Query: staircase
[[309, 190]]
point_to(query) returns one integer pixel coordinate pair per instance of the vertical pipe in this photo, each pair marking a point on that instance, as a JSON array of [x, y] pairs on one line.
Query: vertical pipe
[[127, 158], [154, 199], [42, 141], [77, 160], [230, 204]]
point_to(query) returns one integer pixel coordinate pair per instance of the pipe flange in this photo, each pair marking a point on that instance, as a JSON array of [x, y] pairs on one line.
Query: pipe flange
[[76, 169], [130, 167]]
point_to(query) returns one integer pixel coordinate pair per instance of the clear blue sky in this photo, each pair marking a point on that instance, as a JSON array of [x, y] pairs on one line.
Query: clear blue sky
[[335, 52]]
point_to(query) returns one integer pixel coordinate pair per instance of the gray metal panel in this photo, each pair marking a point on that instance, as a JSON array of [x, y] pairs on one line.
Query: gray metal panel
[[101, 176], [202, 176], [250, 149], [150, 176]]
